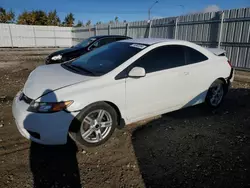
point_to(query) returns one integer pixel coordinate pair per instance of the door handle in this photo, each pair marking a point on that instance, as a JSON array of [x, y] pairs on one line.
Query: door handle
[[186, 73]]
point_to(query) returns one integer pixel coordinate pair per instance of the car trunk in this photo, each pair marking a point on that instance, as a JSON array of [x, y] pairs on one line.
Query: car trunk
[[217, 51]]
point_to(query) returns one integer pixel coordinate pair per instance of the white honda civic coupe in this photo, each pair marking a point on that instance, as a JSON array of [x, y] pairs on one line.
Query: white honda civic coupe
[[119, 83]]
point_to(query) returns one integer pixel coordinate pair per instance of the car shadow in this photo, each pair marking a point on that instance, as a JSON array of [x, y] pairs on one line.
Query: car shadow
[[53, 166], [197, 147]]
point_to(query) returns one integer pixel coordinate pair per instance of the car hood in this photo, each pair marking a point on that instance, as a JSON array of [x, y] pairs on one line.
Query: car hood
[[65, 51], [48, 78]]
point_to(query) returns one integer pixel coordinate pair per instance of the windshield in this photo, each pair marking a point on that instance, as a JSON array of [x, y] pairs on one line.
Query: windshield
[[107, 58], [86, 42]]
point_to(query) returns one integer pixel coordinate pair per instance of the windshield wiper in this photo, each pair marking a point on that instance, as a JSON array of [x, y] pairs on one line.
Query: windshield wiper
[[83, 69]]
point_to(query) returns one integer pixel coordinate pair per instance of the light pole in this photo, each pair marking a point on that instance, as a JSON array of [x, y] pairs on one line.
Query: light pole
[[151, 8], [183, 8]]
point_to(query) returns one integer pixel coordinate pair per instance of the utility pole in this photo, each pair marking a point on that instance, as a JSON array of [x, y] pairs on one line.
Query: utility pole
[[149, 10]]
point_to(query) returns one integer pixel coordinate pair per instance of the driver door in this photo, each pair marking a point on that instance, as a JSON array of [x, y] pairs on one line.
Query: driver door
[[160, 90]]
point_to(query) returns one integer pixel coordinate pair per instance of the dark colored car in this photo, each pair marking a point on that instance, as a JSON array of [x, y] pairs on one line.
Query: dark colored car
[[82, 48]]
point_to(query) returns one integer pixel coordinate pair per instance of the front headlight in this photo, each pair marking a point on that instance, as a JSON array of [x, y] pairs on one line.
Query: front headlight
[[57, 57], [46, 107]]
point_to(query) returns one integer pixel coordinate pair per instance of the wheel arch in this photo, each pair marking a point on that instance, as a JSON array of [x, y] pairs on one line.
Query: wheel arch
[[121, 122], [222, 79], [225, 83]]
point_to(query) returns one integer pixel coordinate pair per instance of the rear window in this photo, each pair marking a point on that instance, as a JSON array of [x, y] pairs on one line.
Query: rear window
[[107, 58], [193, 56]]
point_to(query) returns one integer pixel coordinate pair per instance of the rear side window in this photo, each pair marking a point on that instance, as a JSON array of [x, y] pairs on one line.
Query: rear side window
[[120, 38], [161, 58], [193, 56]]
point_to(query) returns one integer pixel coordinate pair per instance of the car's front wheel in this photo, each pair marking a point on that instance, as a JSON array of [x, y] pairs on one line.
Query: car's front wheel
[[94, 125], [216, 93]]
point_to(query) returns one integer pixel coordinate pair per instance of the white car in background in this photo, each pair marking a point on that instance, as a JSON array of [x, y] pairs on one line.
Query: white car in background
[[125, 81]]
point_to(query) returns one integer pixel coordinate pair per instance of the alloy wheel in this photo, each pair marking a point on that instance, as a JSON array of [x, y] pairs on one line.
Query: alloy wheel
[[217, 93], [96, 126]]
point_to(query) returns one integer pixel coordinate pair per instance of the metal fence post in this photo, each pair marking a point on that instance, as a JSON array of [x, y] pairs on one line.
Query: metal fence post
[[11, 40], [34, 33], [109, 29], [127, 29], [176, 28], [221, 28], [55, 35], [149, 28], [96, 30]]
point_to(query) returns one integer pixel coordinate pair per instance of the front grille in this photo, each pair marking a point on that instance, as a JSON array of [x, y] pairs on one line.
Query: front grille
[[25, 98]]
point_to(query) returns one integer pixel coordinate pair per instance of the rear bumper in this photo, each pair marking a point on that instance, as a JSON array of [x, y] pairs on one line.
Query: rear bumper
[[43, 128]]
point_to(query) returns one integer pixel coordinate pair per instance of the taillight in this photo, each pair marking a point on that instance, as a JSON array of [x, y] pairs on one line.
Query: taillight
[[229, 63]]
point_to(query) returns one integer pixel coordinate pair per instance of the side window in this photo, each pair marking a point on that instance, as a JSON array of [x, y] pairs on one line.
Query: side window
[[193, 56], [161, 58]]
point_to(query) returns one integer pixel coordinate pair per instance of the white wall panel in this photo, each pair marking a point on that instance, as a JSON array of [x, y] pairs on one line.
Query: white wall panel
[[12, 35]]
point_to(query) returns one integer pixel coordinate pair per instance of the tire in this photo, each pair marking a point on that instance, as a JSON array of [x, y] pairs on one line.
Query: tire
[[94, 125], [216, 94]]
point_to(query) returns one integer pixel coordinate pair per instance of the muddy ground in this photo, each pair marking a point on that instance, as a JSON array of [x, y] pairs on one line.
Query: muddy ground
[[193, 147]]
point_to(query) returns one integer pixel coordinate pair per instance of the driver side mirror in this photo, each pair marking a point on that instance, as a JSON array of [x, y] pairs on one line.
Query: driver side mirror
[[137, 72]]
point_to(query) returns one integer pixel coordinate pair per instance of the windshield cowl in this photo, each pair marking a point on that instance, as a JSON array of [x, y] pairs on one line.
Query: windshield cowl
[[77, 69]]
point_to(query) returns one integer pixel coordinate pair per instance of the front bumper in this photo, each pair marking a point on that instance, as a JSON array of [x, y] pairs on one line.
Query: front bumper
[[43, 128]]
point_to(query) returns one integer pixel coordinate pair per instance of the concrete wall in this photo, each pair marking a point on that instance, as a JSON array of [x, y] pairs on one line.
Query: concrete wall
[[12, 35]]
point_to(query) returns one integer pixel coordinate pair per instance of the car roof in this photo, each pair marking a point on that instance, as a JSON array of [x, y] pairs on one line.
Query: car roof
[[104, 36], [149, 41]]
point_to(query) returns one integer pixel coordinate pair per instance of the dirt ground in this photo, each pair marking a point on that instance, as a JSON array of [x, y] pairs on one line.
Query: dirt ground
[[193, 147]]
